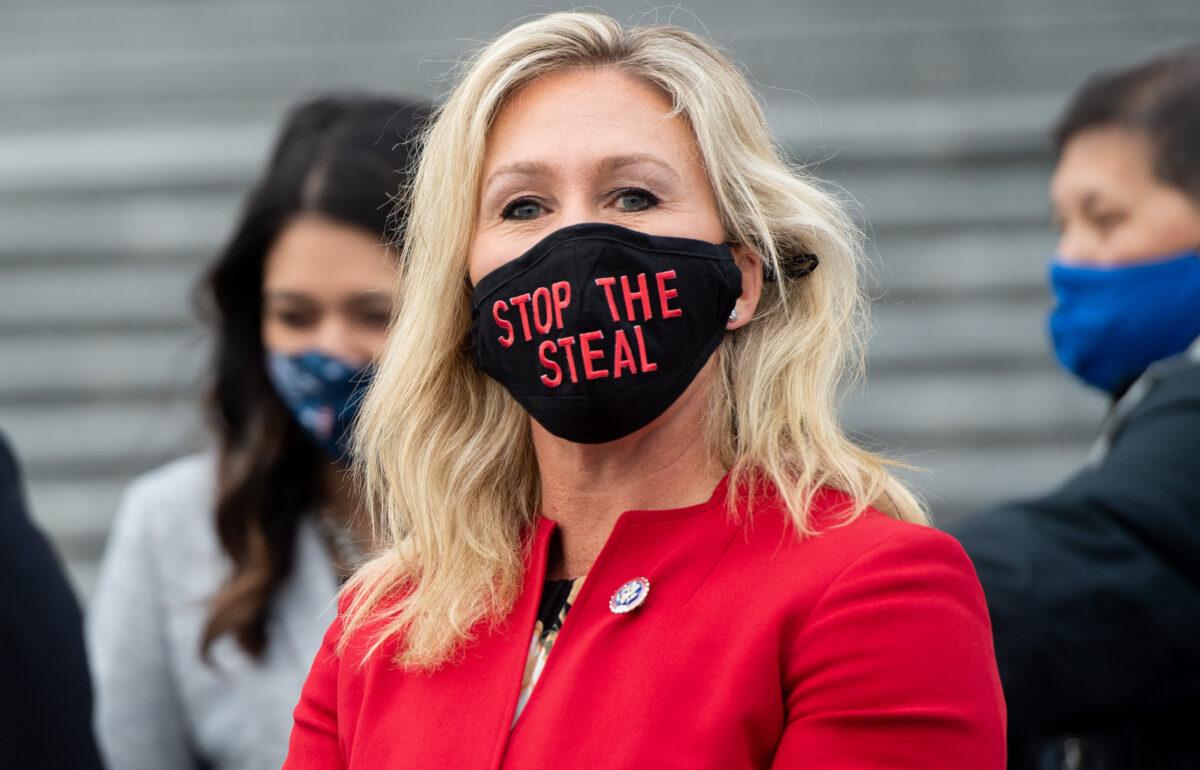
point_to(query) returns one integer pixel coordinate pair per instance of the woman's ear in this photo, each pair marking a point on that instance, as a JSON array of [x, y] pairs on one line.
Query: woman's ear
[[750, 263]]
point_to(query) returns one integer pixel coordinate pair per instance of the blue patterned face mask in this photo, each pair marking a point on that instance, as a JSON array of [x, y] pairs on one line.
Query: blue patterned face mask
[[1110, 324], [323, 394]]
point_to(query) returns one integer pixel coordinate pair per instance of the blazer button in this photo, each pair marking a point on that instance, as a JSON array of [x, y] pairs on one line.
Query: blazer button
[[630, 596]]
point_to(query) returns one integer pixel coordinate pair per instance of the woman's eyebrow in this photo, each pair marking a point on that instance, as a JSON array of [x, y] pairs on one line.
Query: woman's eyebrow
[[609, 165], [527, 168], [286, 295], [615, 163], [370, 297]]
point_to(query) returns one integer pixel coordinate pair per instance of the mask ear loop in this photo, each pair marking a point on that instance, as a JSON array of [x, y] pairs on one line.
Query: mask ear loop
[[468, 342]]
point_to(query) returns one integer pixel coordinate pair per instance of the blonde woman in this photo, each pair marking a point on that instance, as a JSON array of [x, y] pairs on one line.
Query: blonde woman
[[626, 530]]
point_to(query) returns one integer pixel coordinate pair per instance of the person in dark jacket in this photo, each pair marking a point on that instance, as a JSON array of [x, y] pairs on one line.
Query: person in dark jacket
[[45, 693], [1094, 590]]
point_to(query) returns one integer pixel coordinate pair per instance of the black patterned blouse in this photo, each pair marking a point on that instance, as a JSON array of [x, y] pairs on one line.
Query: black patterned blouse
[[557, 598]]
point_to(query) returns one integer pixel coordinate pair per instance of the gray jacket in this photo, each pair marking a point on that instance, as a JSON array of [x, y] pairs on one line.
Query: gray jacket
[[158, 706]]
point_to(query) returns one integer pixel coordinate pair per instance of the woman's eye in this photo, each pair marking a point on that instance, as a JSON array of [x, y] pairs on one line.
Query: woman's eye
[[374, 318], [635, 200], [1105, 221], [522, 208], [295, 320]]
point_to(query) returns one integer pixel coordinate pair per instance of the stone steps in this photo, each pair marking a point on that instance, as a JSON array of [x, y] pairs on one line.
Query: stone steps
[[130, 129], [222, 48]]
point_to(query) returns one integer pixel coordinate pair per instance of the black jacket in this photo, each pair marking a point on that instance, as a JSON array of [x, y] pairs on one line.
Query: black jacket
[[45, 694], [1094, 592]]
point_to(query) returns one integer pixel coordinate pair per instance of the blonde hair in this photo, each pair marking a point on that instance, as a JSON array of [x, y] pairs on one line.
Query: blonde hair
[[449, 466]]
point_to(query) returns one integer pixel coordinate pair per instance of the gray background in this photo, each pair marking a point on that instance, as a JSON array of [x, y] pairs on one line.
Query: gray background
[[130, 130]]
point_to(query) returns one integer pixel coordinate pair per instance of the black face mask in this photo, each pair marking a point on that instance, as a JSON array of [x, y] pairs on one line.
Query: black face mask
[[597, 329]]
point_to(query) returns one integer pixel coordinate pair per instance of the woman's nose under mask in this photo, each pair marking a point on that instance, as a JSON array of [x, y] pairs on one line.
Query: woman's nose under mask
[[323, 394], [598, 329]]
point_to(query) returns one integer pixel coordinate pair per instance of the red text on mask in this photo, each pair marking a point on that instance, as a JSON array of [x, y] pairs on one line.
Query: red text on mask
[[542, 309], [590, 355], [545, 306], [585, 355]]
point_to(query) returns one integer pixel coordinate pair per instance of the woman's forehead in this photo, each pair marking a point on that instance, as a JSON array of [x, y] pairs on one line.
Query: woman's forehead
[[1102, 161], [587, 118]]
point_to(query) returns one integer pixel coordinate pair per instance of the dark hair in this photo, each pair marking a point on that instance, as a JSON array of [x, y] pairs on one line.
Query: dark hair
[[344, 158], [1160, 100]]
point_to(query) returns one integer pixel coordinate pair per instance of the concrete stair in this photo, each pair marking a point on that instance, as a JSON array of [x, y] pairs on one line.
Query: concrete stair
[[130, 130]]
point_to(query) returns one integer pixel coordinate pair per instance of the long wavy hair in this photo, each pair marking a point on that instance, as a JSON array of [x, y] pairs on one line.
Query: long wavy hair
[[344, 158], [449, 463]]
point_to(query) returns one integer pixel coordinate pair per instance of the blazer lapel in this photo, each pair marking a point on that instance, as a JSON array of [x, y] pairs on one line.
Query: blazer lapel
[[676, 551], [460, 715]]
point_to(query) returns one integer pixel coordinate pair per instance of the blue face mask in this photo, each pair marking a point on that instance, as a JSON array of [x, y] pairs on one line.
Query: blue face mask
[[1110, 324], [323, 394]]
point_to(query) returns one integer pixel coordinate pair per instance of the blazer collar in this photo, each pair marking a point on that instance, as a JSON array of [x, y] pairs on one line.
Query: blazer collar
[[674, 549], [635, 517]]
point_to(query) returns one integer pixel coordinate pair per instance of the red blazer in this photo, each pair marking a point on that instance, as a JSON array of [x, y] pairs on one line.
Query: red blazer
[[866, 647]]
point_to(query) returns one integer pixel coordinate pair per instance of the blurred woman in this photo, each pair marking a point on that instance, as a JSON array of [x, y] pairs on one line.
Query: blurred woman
[[626, 530], [1094, 590], [222, 568]]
